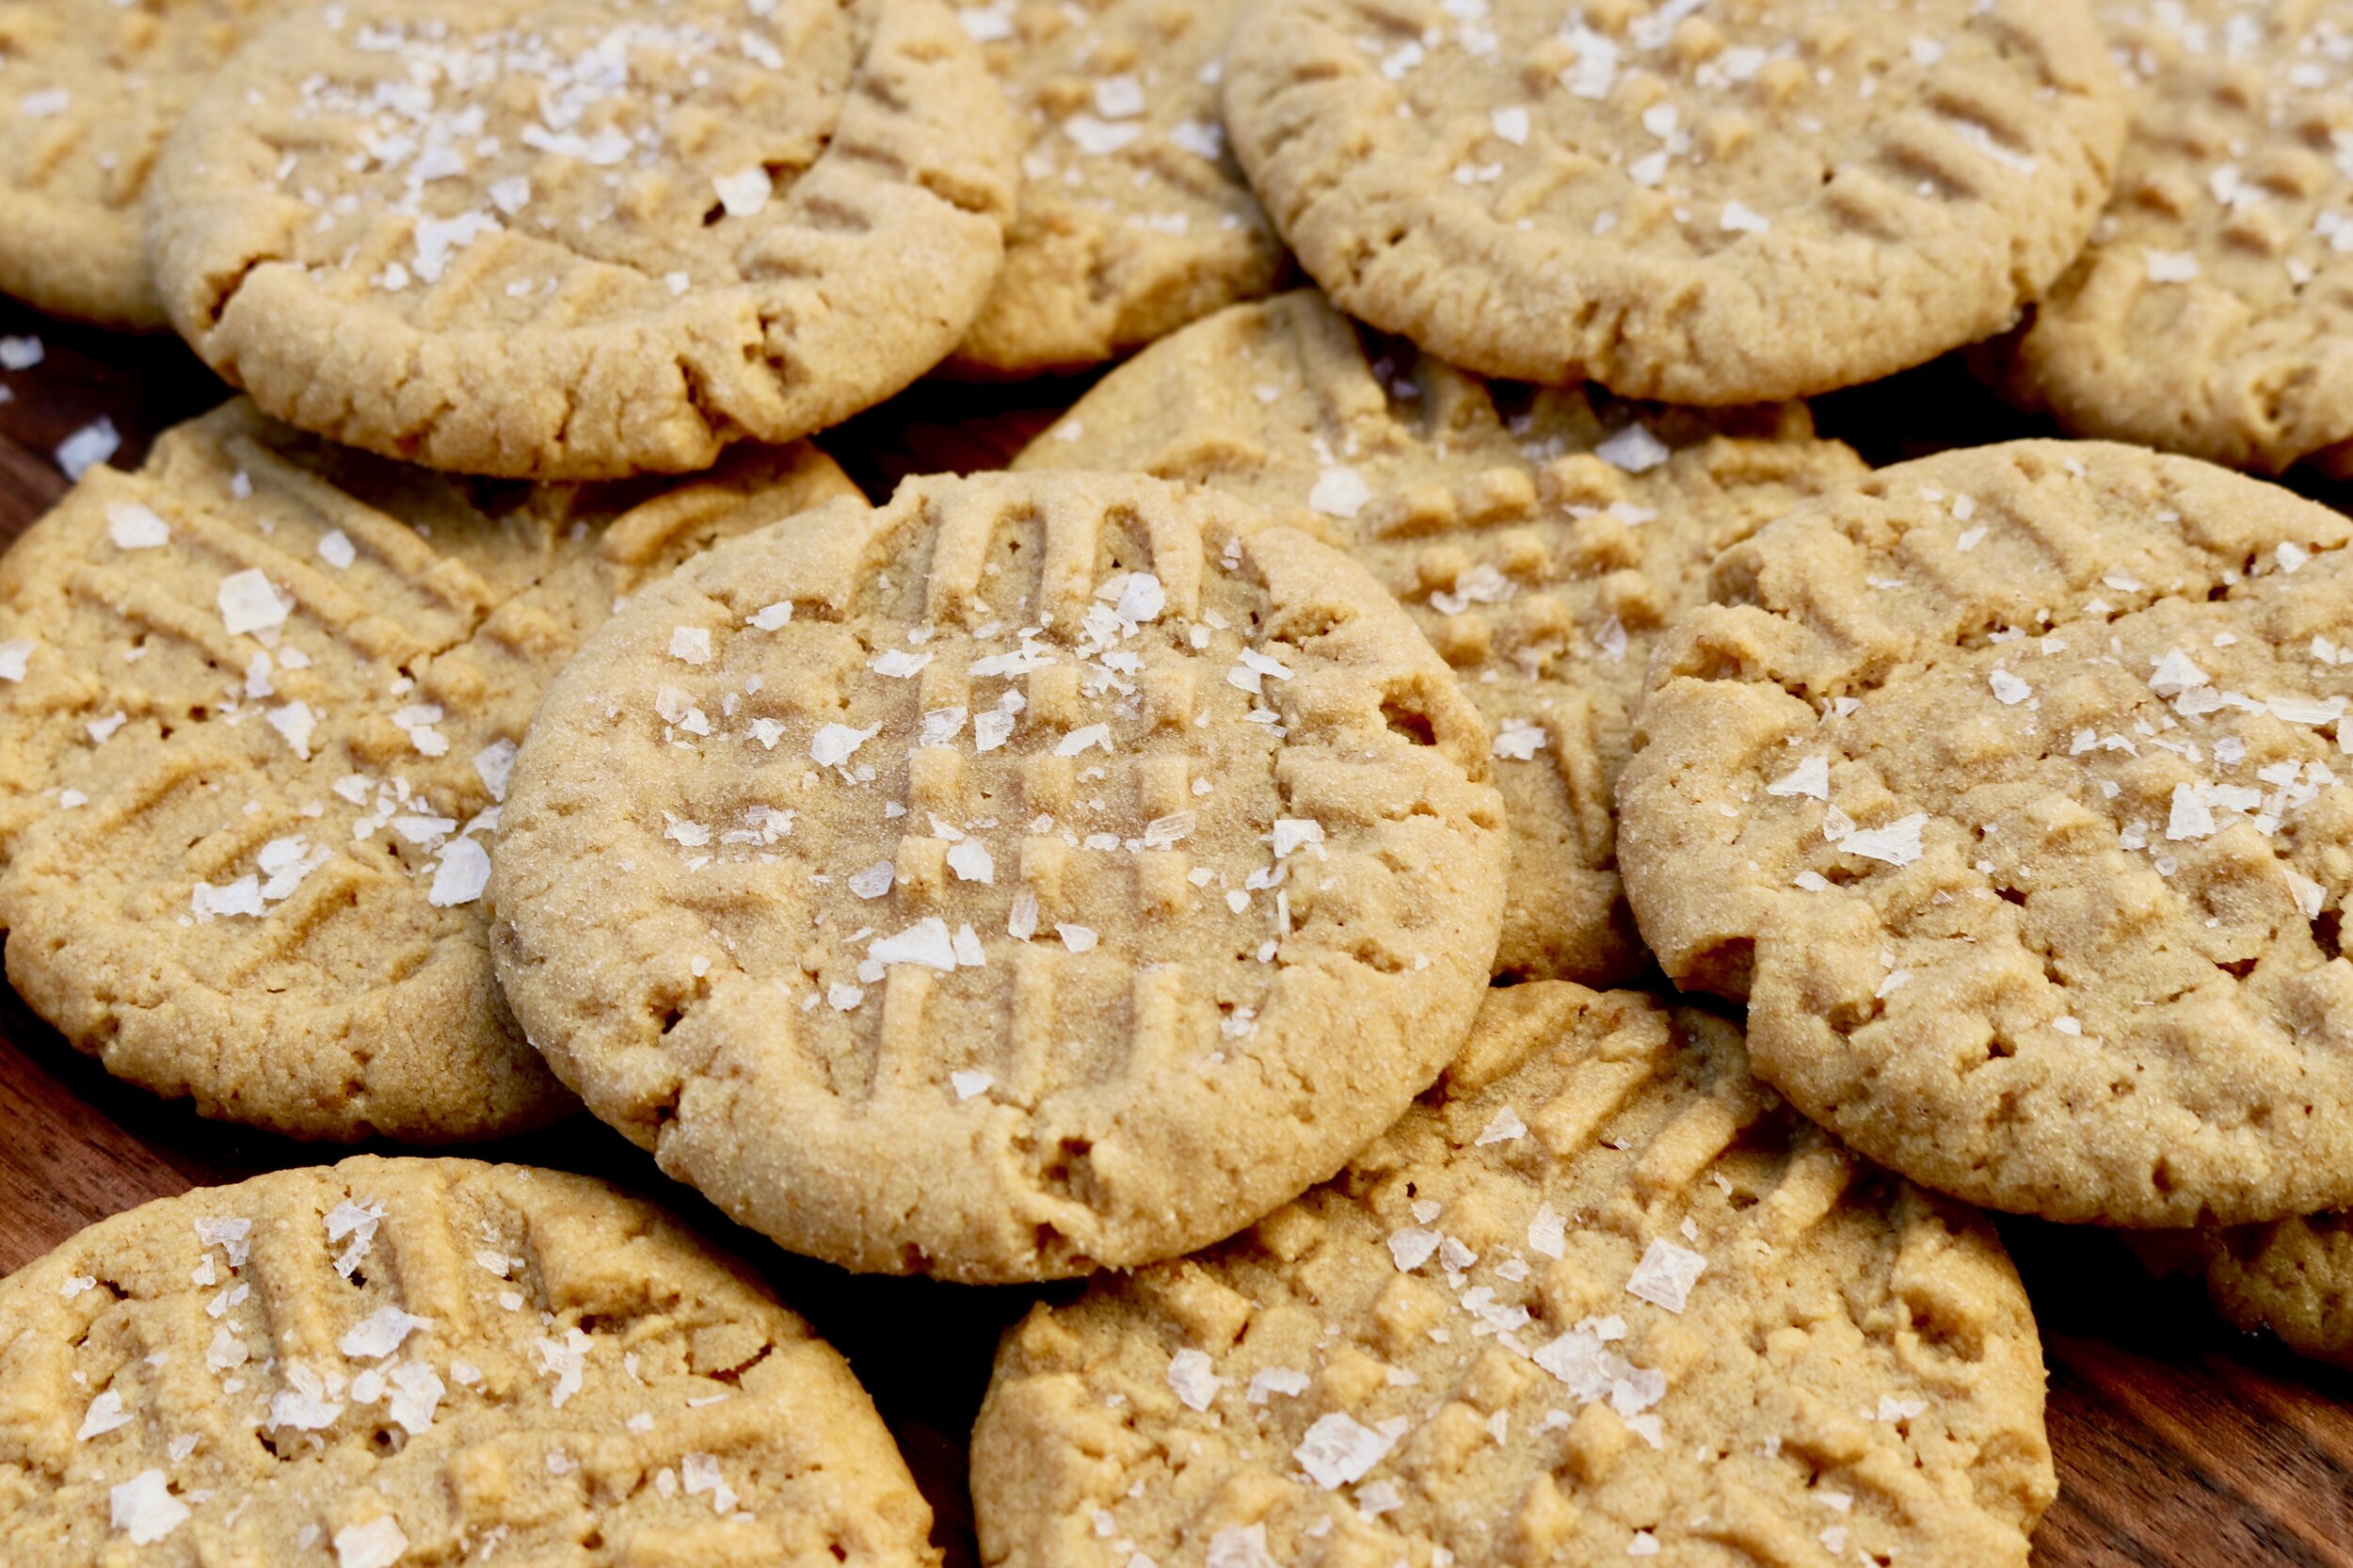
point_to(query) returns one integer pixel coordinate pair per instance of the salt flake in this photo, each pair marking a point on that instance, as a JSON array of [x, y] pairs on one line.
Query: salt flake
[[1897, 844], [105, 1414], [1339, 492], [1810, 777], [132, 527], [462, 874], [835, 743], [1634, 448], [1340, 1450], [1192, 1379], [249, 602], [144, 1508], [1503, 1128], [744, 193], [1665, 1275], [378, 1544]]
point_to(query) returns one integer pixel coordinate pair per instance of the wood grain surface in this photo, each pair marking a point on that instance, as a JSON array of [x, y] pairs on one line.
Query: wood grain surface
[[2180, 1442]]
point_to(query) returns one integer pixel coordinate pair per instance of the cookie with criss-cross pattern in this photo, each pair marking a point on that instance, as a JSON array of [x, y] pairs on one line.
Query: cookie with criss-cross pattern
[[1708, 205], [1599, 1297], [1134, 218], [88, 90], [585, 240], [1541, 538], [1038, 872], [2009, 788], [413, 1361], [258, 704], [2213, 312]]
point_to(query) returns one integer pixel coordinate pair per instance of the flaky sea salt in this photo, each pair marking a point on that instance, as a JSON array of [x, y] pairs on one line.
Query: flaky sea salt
[[1518, 740], [1409, 1249], [378, 1544], [462, 874], [144, 1508], [744, 193], [380, 1334], [1547, 1231], [1193, 1380], [1895, 844], [835, 743], [1505, 1126], [1665, 1275], [105, 1415], [1339, 492], [132, 527], [1634, 448], [1340, 1450], [1810, 777], [249, 602], [88, 447]]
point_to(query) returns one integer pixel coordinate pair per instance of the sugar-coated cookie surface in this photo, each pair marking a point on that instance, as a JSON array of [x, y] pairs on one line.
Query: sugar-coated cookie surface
[[88, 90], [1599, 1297], [584, 239], [1133, 216], [2213, 313], [1706, 203], [258, 704], [2010, 788], [1540, 540], [429, 1361], [1039, 871]]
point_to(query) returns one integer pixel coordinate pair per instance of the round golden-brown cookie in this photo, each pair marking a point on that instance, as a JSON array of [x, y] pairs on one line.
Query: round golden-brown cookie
[[2213, 312], [2294, 1277], [588, 239], [88, 90], [1540, 541], [1710, 205], [1134, 218], [1599, 1297], [429, 1361], [257, 702], [1038, 872], [2007, 786]]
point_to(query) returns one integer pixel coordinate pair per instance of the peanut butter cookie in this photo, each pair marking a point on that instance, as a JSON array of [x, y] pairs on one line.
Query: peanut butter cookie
[[1036, 873], [1540, 539], [429, 1361], [585, 240], [258, 705], [1599, 1297], [2008, 789], [1706, 204]]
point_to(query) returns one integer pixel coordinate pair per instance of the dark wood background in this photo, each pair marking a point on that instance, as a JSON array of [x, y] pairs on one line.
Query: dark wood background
[[2180, 1441]]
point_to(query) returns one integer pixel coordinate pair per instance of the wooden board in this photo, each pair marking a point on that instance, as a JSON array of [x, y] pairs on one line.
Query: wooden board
[[2180, 1442]]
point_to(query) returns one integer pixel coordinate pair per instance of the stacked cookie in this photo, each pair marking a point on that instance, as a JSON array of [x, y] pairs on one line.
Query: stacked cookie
[[1238, 855]]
